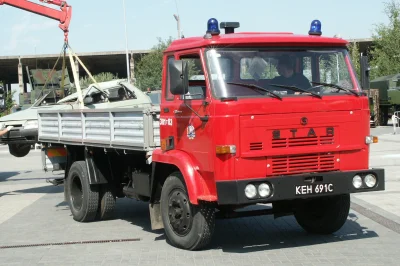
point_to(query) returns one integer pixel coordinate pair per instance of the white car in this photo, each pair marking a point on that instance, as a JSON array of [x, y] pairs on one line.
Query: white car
[[110, 94]]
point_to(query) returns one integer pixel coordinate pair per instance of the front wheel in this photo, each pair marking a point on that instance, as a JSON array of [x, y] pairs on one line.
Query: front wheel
[[186, 226], [323, 215]]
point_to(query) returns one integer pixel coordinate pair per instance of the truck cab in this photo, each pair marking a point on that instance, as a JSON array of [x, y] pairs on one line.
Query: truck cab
[[266, 118]]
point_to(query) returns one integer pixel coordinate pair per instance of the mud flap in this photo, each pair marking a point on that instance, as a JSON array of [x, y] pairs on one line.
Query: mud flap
[[95, 174], [155, 216]]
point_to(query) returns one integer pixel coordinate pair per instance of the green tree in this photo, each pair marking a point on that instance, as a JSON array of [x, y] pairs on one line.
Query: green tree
[[8, 102], [354, 51], [86, 80], [101, 77], [386, 41], [149, 69]]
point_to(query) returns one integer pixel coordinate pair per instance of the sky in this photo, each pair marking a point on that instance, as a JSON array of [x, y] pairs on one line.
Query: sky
[[98, 25]]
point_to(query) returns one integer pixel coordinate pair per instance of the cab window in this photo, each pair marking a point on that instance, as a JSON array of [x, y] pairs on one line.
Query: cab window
[[197, 82]]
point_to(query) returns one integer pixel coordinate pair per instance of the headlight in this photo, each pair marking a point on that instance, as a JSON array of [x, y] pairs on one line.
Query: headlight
[[370, 180], [2, 125], [250, 191], [264, 190], [31, 124], [357, 181]]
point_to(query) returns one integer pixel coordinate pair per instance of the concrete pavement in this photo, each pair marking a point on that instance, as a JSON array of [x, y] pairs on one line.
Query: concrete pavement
[[34, 212]]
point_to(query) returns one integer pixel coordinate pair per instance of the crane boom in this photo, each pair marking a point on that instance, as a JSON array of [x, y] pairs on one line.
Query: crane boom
[[63, 15]]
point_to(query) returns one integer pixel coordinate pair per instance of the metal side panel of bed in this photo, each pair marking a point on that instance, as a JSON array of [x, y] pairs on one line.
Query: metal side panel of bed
[[133, 129]]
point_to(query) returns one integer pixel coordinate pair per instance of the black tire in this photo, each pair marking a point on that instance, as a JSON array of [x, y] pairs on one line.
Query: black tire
[[384, 113], [82, 198], [19, 150], [196, 227], [323, 215], [107, 203]]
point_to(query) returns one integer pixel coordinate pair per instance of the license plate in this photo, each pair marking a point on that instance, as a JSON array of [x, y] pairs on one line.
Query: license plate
[[314, 189]]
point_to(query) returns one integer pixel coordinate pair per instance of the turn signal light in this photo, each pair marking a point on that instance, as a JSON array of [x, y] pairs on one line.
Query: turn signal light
[[226, 149], [163, 144], [167, 144], [371, 139]]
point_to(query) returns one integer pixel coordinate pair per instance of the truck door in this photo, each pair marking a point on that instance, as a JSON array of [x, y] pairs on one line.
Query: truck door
[[190, 133]]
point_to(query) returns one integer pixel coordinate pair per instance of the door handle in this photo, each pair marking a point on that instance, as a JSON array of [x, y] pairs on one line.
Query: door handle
[[177, 112]]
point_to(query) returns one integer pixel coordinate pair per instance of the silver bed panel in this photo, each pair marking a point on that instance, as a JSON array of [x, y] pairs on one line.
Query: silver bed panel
[[136, 129]]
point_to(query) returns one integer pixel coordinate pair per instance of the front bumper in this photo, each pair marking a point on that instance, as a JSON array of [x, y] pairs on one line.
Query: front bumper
[[20, 136], [284, 188]]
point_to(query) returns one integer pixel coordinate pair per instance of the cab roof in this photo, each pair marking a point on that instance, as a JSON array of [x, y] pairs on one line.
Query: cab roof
[[255, 38]]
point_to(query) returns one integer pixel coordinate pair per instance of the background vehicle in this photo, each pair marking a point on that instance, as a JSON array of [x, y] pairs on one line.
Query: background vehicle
[[388, 92], [228, 134], [112, 94]]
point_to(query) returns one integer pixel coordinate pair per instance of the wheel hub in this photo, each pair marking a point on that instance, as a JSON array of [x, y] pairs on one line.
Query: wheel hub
[[179, 213]]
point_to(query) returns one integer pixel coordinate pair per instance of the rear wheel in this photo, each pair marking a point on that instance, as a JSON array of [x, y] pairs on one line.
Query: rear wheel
[[323, 215], [82, 197], [19, 150], [187, 226], [107, 202]]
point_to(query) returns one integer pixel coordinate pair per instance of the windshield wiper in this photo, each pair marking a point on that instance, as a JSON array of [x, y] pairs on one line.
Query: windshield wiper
[[256, 88], [294, 88], [336, 87]]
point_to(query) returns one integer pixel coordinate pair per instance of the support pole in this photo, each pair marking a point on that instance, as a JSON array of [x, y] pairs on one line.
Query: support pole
[[76, 78], [132, 69], [20, 79]]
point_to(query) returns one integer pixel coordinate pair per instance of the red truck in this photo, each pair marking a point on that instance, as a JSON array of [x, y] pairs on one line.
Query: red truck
[[245, 118]]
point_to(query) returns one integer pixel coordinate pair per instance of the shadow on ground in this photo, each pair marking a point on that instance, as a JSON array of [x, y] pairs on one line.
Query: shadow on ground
[[264, 233], [249, 234], [46, 189], [6, 175]]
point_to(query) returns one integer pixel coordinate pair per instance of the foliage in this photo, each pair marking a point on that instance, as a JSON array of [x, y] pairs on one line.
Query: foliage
[[333, 68], [149, 69], [354, 51], [386, 40], [269, 72], [9, 103], [101, 77], [86, 81]]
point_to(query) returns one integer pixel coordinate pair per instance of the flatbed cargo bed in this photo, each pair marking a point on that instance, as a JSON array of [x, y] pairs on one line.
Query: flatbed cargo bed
[[131, 129]]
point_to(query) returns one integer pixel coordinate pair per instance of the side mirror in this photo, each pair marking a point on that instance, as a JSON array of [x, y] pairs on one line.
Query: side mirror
[[88, 100], [178, 77]]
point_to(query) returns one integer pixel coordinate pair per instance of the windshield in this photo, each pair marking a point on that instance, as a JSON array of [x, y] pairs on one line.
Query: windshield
[[237, 72]]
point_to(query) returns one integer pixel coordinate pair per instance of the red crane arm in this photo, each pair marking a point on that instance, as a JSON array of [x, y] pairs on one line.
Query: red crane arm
[[64, 16]]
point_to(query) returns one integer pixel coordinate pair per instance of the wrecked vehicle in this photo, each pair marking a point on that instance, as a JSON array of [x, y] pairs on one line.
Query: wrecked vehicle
[[110, 94]]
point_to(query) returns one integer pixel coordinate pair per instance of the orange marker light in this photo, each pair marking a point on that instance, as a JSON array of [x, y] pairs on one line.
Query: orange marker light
[[226, 149], [163, 144]]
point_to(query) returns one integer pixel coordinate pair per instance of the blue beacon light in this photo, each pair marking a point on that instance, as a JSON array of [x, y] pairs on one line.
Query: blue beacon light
[[212, 26], [315, 28]]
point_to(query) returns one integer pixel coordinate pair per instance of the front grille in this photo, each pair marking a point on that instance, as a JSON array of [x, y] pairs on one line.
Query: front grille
[[256, 146], [294, 164], [301, 142]]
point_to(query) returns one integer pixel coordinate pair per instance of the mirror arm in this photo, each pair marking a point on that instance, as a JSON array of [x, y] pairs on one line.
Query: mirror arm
[[202, 118]]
